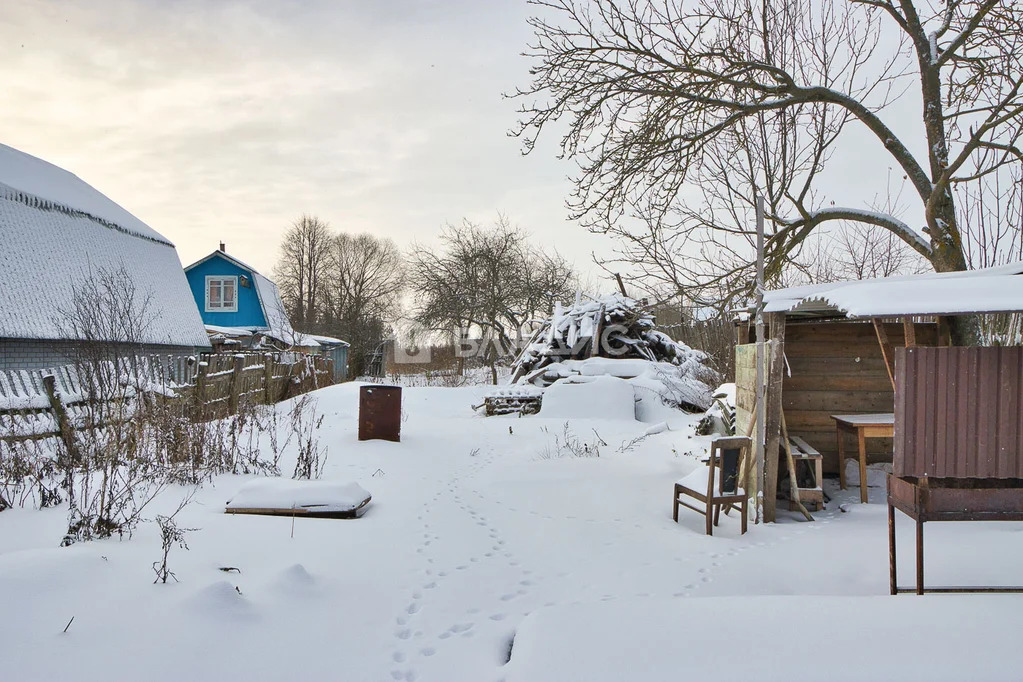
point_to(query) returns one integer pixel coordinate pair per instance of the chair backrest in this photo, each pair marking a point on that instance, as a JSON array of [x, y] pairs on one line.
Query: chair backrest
[[728, 455]]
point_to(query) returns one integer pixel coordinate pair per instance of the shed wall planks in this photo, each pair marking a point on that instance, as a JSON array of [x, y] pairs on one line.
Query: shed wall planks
[[837, 367]]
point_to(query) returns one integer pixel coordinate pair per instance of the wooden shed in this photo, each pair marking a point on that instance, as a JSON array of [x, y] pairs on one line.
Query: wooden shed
[[831, 348]]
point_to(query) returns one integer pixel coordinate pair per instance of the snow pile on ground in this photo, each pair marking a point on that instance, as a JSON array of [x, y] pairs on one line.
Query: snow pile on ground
[[315, 496], [602, 397], [479, 548], [701, 639]]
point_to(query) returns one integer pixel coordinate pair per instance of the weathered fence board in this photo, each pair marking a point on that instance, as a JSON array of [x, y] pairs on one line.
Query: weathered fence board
[[211, 386]]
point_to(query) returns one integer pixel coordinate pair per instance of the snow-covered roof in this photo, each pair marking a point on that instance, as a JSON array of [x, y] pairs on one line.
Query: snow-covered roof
[[278, 324], [56, 231], [328, 340], [38, 183], [989, 290]]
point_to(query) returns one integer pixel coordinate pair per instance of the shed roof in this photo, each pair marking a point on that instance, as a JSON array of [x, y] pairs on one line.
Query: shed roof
[[989, 290], [56, 231]]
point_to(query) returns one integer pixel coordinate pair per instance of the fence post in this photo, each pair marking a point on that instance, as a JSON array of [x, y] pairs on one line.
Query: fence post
[[330, 371], [236, 384], [67, 434], [268, 378], [202, 370]]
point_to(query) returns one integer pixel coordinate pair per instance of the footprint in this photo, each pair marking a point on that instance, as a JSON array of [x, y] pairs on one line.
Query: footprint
[[497, 616], [403, 634], [413, 608], [429, 586], [508, 597], [428, 651], [398, 657], [460, 627]]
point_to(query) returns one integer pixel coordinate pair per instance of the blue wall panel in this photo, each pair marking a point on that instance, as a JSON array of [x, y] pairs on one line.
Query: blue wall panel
[[250, 313]]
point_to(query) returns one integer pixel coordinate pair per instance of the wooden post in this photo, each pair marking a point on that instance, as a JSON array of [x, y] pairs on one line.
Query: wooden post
[[598, 329], [892, 566], [944, 331], [268, 378], [887, 350], [236, 384], [621, 285], [772, 423], [330, 371], [791, 463], [67, 433], [909, 330], [761, 402]]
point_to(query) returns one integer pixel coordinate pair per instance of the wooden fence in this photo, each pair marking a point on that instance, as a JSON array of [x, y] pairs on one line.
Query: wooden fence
[[49, 402]]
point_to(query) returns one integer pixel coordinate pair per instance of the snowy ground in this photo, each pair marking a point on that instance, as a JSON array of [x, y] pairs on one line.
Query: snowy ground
[[477, 534]]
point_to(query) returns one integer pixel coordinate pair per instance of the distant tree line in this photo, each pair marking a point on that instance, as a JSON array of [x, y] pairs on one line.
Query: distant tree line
[[339, 284], [479, 287]]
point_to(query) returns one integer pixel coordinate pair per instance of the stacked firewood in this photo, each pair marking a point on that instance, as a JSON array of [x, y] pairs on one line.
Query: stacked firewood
[[612, 327]]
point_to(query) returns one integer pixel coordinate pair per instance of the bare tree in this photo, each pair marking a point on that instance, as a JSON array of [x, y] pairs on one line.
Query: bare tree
[[113, 469], [301, 269], [362, 291], [681, 113], [489, 280]]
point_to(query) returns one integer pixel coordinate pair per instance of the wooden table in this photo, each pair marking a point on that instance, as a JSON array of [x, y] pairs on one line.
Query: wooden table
[[863, 426]]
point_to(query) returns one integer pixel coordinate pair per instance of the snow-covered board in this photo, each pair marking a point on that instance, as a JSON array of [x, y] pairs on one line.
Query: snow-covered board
[[281, 497]]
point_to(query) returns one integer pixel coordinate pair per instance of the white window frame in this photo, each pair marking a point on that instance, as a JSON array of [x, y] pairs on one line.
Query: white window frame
[[220, 279]]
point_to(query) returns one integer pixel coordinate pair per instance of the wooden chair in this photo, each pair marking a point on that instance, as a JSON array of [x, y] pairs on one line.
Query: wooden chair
[[723, 490]]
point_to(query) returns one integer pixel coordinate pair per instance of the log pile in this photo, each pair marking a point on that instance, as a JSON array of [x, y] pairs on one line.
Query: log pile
[[616, 328], [513, 400]]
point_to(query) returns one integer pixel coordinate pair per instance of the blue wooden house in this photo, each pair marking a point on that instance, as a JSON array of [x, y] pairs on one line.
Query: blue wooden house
[[242, 308]]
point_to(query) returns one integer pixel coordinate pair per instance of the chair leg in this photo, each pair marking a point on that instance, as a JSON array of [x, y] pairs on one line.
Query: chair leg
[[710, 519], [717, 514], [742, 511], [674, 506]]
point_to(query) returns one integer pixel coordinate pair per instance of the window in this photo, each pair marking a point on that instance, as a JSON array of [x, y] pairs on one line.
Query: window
[[221, 294]]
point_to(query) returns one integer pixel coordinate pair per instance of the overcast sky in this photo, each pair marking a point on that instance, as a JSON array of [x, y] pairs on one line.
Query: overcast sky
[[225, 121]]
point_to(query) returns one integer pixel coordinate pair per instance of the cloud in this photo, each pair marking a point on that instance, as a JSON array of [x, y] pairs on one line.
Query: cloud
[[226, 121]]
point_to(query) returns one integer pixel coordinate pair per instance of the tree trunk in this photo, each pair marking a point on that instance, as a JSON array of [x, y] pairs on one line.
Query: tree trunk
[[948, 254]]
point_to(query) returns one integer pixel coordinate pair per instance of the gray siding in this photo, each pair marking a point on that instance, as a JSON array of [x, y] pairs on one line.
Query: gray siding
[[41, 354]]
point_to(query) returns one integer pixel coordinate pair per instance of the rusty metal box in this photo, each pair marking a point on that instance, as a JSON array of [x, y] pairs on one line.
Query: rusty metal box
[[380, 412]]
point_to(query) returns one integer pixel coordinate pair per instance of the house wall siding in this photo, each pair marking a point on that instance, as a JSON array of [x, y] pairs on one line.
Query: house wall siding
[[41, 354], [250, 312]]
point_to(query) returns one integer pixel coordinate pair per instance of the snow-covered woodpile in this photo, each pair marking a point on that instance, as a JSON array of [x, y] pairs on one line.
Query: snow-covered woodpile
[[615, 335], [523, 399]]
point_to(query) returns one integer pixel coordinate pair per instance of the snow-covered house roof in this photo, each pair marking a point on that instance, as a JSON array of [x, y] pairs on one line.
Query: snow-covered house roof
[[277, 326], [56, 231], [328, 340], [989, 290]]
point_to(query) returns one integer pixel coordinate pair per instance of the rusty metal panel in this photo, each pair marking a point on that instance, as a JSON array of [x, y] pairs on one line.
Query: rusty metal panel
[[380, 412], [959, 412]]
